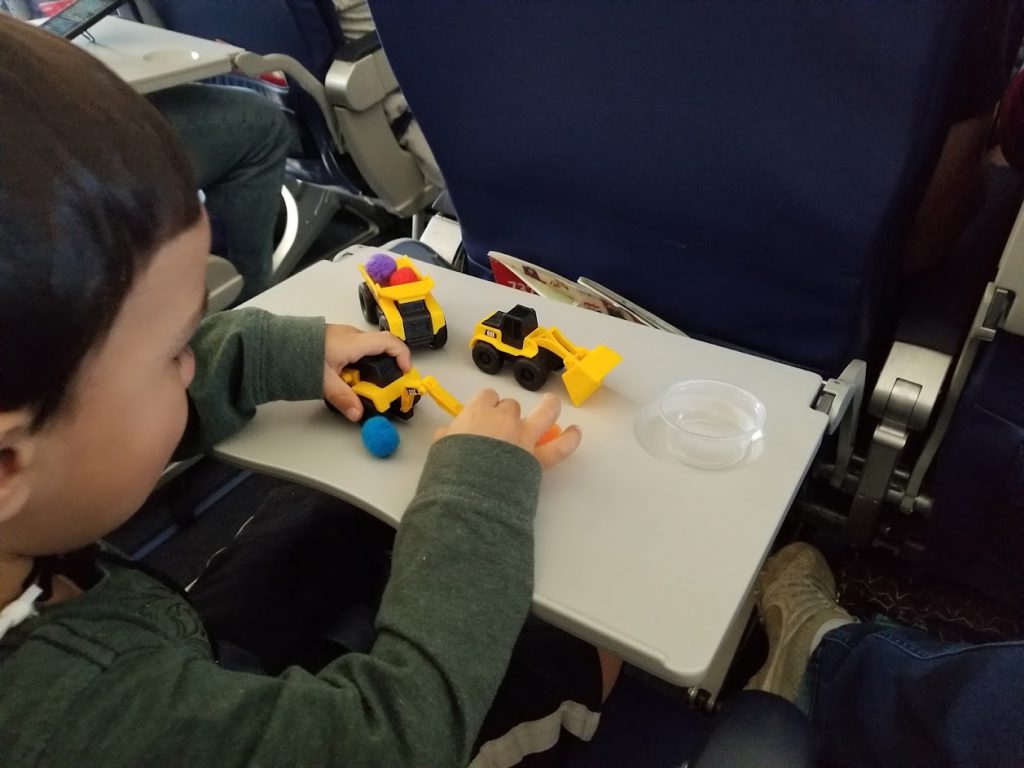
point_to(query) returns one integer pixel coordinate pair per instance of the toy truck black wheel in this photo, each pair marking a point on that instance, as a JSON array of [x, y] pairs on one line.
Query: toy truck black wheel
[[487, 358], [530, 373], [382, 323], [396, 412], [440, 338], [369, 409], [367, 305]]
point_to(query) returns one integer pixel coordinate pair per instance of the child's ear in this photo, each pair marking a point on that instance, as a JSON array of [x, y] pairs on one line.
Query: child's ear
[[17, 448]]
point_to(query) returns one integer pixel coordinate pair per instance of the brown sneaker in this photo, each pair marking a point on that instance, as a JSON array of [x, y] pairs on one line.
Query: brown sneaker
[[795, 597]]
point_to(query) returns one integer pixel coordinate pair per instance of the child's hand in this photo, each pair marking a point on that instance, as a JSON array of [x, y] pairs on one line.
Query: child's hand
[[344, 346], [489, 416]]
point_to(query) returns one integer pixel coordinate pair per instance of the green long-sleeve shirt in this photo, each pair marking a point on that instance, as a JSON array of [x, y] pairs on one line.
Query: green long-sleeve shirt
[[123, 674]]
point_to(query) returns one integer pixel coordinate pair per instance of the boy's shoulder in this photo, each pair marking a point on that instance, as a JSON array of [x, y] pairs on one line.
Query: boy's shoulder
[[57, 663], [126, 611]]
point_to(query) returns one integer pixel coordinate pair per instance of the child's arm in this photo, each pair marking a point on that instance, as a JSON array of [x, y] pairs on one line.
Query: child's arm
[[459, 592], [249, 357], [243, 359]]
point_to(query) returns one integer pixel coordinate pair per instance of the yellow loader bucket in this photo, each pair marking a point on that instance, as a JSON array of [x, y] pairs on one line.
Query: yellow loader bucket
[[584, 375]]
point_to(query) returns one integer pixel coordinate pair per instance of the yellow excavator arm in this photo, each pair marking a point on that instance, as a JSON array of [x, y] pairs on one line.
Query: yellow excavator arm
[[428, 386], [412, 384], [553, 341]]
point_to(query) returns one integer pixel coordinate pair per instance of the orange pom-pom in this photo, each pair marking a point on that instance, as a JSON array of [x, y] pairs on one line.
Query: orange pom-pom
[[403, 275], [553, 431]]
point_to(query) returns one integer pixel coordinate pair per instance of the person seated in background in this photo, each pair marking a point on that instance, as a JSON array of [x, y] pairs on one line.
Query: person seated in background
[[238, 142], [881, 695], [355, 21], [955, 190], [1010, 124]]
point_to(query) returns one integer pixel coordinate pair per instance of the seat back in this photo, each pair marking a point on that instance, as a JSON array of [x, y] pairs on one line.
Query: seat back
[[746, 170]]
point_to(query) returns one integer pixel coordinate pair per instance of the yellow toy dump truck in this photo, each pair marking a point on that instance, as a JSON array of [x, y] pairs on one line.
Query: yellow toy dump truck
[[383, 388], [407, 310], [535, 352]]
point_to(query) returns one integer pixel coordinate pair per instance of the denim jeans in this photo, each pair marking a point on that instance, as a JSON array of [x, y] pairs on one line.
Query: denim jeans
[[238, 142], [884, 696]]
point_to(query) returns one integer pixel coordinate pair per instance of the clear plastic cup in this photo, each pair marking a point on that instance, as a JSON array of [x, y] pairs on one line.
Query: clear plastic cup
[[710, 423]]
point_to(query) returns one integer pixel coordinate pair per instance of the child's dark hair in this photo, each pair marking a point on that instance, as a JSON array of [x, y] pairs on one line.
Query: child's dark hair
[[92, 183]]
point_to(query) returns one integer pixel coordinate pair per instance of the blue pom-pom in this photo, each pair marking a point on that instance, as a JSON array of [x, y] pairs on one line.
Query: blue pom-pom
[[379, 267], [380, 437]]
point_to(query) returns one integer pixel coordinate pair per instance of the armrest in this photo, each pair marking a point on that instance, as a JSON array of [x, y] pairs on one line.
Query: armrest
[[999, 310], [910, 384], [254, 65], [933, 335], [359, 48], [363, 79], [903, 399], [915, 391], [356, 87], [1010, 278]]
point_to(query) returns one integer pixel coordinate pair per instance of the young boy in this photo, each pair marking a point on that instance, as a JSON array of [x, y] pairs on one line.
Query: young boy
[[103, 246]]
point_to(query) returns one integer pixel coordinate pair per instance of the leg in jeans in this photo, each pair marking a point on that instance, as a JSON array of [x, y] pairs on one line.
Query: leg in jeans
[[883, 696], [238, 142]]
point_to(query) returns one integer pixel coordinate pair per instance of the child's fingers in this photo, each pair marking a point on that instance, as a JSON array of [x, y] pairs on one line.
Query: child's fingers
[[485, 397], [541, 418], [555, 451], [340, 395], [510, 406]]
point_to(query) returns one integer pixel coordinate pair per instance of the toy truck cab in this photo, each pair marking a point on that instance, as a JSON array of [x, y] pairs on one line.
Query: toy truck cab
[[514, 326], [381, 387], [407, 310]]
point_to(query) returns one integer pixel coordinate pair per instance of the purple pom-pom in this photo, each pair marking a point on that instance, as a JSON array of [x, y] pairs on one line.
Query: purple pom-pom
[[380, 437], [379, 268]]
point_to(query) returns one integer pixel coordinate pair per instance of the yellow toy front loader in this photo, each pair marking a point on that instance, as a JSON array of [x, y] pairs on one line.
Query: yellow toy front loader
[[536, 351]]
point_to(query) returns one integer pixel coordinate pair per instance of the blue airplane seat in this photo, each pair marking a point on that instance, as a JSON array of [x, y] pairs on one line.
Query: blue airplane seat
[[746, 170]]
